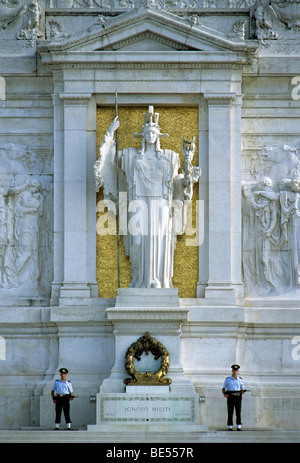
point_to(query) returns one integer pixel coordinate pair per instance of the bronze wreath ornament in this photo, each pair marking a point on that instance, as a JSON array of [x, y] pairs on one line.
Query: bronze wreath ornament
[[147, 344]]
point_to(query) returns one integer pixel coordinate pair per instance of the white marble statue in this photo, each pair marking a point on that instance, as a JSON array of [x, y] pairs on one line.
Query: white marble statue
[[25, 220], [32, 18], [23, 268], [155, 190], [271, 223], [290, 221], [264, 18]]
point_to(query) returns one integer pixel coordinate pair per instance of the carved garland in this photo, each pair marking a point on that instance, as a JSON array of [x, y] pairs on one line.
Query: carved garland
[[147, 344]]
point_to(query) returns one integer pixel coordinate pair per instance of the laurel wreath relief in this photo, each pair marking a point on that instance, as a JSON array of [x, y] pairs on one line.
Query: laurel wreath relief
[[147, 344]]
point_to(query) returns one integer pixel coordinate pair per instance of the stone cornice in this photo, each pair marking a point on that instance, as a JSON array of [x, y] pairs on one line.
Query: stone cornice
[[147, 60], [155, 314]]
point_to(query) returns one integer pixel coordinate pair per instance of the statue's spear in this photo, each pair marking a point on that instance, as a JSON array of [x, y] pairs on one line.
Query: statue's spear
[[117, 183]]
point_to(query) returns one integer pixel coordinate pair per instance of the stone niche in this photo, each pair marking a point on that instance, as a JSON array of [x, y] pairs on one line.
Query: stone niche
[[186, 253]]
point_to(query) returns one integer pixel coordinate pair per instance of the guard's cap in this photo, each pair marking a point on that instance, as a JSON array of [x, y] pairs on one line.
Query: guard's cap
[[63, 370], [235, 367]]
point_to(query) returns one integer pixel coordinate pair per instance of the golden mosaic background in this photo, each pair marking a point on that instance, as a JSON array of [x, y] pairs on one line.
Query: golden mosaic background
[[177, 122]]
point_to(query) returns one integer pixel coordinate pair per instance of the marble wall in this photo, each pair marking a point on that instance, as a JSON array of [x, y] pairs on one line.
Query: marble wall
[[237, 63]]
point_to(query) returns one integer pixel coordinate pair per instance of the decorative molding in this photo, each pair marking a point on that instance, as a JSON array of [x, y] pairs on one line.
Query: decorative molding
[[219, 98], [238, 30], [55, 30], [75, 98]]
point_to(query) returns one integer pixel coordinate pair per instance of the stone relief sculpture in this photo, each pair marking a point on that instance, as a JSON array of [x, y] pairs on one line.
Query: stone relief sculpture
[[9, 11], [240, 3], [271, 17], [288, 11], [56, 30], [263, 15], [238, 30], [290, 222], [23, 220], [160, 4], [32, 18], [21, 266], [271, 227], [150, 177]]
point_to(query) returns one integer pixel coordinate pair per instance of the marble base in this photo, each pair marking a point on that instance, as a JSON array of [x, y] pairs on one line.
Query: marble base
[[148, 389], [144, 406], [156, 311], [147, 297]]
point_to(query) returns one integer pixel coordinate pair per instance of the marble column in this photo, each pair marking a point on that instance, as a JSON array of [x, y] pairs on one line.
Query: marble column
[[58, 198], [76, 214], [224, 193]]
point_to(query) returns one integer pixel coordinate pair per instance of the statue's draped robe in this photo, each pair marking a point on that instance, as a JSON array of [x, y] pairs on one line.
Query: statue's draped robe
[[151, 184], [290, 220]]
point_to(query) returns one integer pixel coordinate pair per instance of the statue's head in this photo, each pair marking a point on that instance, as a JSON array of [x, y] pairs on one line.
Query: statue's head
[[295, 185], [266, 181], [151, 130], [150, 134], [35, 186]]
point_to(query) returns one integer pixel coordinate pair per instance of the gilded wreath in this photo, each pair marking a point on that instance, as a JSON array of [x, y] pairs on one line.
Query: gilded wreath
[[147, 344]]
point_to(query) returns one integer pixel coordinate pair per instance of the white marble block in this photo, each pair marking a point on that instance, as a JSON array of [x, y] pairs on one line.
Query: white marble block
[[146, 409]]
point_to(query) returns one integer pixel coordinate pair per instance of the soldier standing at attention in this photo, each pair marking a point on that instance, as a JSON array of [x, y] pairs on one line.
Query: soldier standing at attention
[[233, 389], [62, 393]]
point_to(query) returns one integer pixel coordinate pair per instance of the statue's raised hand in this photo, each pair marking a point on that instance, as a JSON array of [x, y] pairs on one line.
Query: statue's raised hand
[[115, 125]]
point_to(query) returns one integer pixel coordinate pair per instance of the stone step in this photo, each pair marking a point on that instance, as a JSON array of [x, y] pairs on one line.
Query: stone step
[[141, 437]]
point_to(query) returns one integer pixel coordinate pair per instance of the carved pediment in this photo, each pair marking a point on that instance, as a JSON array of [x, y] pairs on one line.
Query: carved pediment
[[148, 30], [147, 41]]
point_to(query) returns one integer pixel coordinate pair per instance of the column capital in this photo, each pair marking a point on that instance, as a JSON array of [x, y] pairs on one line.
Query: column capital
[[219, 98], [75, 98]]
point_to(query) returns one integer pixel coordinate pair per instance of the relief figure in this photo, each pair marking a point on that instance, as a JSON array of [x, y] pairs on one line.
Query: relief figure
[[23, 266], [25, 228], [290, 221], [271, 227]]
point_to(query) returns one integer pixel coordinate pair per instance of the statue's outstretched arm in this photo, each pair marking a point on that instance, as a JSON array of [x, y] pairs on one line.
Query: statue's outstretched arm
[[105, 166]]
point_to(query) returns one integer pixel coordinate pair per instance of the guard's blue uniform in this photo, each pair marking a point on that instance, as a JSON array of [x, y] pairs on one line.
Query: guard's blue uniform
[[62, 387], [62, 393], [233, 387], [234, 384]]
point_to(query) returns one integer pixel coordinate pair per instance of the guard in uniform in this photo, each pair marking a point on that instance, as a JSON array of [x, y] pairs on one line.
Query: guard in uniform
[[62, 393], [233, 389]]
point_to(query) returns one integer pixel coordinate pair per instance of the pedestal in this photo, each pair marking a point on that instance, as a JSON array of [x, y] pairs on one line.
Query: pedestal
[[157, 312], [150, 407]]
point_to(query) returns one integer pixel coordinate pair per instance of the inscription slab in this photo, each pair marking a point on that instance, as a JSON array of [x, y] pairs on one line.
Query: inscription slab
[[146, 408]]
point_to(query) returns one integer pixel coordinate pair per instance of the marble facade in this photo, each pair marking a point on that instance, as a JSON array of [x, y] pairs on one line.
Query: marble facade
[[238, 62]]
